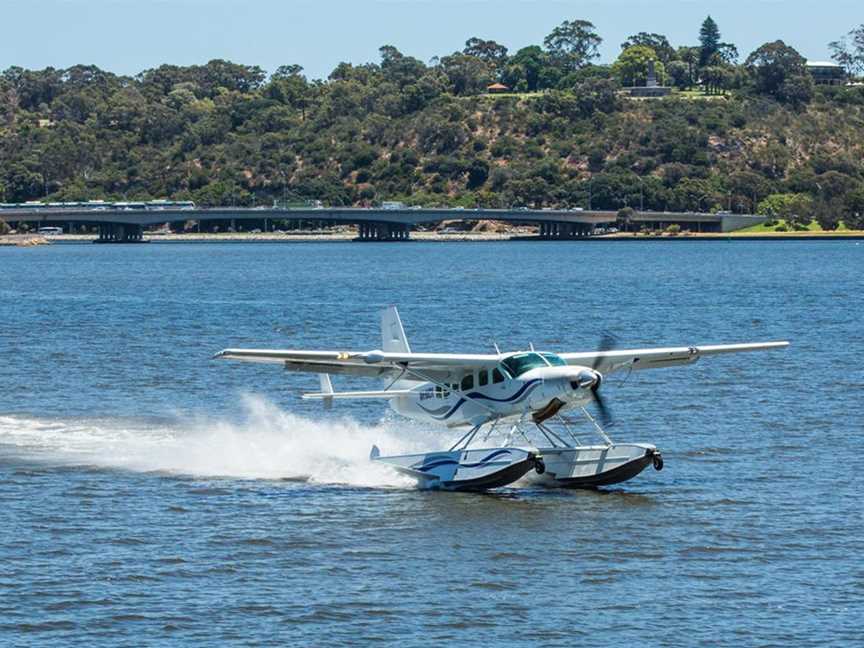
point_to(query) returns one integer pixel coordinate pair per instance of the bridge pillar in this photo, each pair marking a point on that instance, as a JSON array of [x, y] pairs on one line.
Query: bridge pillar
[[367, 231], [120, 233], [397, 232]]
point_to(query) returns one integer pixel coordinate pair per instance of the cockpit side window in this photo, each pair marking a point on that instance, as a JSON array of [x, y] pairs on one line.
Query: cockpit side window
[[483, 378], [467, 382], [497, 376]]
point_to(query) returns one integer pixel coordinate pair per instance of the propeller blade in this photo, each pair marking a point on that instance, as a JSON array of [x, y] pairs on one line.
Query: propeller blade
[[607, 343], [602, 408]]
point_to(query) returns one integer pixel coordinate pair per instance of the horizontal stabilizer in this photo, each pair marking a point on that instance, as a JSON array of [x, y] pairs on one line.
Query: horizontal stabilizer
[[392, 393]]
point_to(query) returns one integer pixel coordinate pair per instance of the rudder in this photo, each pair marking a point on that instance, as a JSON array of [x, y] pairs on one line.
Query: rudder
[[393, 339]]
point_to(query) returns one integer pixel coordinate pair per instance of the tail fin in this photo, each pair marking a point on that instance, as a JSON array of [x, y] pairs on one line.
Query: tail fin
[[393, 338], [375, 453], [326, 388]]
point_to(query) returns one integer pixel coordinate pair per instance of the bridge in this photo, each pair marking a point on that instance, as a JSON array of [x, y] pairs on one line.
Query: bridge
[[374, 224]]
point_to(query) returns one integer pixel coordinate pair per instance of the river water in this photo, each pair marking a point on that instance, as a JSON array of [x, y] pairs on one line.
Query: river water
[[150, 495]]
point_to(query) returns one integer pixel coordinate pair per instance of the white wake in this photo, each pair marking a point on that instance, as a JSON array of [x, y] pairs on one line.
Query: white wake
[[267, 443]]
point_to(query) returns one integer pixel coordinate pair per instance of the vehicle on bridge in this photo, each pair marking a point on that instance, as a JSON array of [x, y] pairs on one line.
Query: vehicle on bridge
[[102, 205]]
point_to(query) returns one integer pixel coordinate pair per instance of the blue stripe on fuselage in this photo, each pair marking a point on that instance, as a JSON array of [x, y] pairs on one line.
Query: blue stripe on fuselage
[[478, 396]]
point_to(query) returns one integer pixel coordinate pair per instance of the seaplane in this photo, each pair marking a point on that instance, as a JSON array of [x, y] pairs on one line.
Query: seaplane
[[514, 408]]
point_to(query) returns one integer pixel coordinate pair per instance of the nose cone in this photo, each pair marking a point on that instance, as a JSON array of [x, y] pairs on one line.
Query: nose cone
[[585, 379]]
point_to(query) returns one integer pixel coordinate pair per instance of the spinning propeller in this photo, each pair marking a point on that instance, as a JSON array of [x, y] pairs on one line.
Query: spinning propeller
[[607, 343]]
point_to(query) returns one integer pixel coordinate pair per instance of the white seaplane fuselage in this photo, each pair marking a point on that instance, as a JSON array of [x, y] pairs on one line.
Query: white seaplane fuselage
[[496, 395]]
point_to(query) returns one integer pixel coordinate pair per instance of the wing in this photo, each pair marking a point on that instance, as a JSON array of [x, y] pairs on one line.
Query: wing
[[438, 366], [607, 362]]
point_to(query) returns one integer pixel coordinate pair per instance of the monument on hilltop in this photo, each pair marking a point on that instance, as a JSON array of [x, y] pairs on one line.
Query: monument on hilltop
[[651, 87]]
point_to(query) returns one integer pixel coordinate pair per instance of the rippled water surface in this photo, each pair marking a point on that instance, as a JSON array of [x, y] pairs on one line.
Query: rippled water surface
[[150, 495]]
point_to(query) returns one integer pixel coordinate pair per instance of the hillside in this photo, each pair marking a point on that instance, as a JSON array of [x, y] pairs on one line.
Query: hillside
[[222, 134]]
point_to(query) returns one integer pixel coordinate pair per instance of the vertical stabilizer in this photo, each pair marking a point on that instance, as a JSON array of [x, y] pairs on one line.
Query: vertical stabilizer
[[326, 388], [393, 338]]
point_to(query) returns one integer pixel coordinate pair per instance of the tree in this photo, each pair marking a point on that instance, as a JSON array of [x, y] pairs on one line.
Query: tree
[[849, 51], [467, 75], [679, 73], [726, 54], [573, 44], [287, 71], [597, 95], [22, 184], [398, 68], [530, 69], [709, 41], [715, 78], [477, 174], [853, 209], [657, 42], [231, 76], [488, 51], [827, 215], [631, 68], [833, 186], [690, 56], [780, 71], [795, 208], [796, 90]]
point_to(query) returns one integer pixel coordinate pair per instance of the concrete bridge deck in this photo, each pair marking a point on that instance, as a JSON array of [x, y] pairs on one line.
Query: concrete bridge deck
[[374, 224]]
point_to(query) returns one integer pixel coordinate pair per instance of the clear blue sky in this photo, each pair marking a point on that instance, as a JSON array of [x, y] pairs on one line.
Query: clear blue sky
[[127, 36]]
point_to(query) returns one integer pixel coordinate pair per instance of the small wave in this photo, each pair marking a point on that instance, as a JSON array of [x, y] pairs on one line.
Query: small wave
[[267, 443]]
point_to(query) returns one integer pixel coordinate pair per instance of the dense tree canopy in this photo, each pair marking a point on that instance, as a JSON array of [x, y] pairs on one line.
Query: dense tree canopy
[[631, 68], [428, 133], [657, 42], [780, 71], [573, 43]]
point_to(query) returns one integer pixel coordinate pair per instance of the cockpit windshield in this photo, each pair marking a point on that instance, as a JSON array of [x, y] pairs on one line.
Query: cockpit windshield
[[518, 364], [552, 359]]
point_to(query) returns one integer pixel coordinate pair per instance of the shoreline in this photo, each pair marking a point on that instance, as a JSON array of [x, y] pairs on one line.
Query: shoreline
[[27, 240]]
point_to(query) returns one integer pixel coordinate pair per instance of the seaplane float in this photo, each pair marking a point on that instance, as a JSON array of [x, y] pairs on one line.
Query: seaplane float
[[514, 407]]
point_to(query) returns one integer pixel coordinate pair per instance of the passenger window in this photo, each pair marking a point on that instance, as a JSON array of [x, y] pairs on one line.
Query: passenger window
[[484, 377], [497, 376], [468, 382]]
